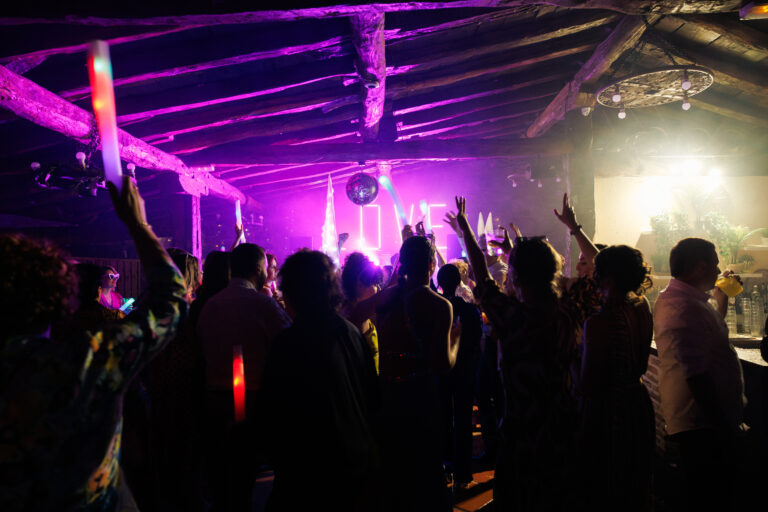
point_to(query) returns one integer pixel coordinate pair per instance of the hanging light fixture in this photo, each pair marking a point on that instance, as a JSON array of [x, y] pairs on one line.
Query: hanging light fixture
[[686, 83], [622, 113], [686, 102], [616, 94]]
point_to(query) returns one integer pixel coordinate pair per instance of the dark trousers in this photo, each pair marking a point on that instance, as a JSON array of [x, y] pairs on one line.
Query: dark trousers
[[709, 459], [233, 457], [458, 397]]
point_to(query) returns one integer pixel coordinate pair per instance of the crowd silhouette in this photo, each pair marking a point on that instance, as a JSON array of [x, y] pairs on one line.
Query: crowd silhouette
[[360, 384]]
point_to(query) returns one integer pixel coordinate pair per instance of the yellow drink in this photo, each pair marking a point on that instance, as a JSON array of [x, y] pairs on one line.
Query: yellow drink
[[730, 286]]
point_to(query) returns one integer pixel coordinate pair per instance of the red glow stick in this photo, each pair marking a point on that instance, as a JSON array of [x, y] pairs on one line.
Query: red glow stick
[[238, 382], [103, 96]]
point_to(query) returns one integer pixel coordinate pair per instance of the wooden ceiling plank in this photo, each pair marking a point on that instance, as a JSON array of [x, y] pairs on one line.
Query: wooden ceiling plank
[[30, 101], [625, 36], [636, 7]]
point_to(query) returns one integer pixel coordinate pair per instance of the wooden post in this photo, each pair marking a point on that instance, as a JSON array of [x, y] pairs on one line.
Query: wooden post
[[185, 226], [197, 231]]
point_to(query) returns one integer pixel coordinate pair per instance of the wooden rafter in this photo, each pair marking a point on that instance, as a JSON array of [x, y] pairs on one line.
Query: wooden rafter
[[368, 40], [28, 100], [432, 150], [624, 36], [625, 6], [730, 108], [733, 31]]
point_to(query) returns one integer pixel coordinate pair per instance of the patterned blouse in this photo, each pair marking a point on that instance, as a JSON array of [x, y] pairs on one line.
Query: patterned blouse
[[61, 404]]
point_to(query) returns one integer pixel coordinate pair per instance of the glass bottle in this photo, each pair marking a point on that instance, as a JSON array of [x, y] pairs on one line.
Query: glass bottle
[[746, 315], [758, 318], [730, 317]]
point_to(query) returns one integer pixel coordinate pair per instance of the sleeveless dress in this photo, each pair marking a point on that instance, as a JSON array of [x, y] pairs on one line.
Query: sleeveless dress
[[410, 429]]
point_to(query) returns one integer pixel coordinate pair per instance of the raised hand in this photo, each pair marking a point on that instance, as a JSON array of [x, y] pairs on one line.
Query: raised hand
[[450, 219], [515, 229], [420, 231], [461, 215], [567, 216], [506, 245], [406, 233], [128, 203]]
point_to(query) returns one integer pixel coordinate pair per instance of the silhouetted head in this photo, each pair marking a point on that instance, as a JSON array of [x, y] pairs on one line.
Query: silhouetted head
[[189, 266], [309, 283], [248, 261], [620, 269], [89, 278], [695, 261], [37, 287], [360, 277], [585, 268], [215, 272], [533, 267], [448, 278], [417, 259]]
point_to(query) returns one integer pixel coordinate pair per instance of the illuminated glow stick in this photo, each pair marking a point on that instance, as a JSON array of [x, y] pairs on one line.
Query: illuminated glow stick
[[127, 304], [103, 96], [238, 382], [425, 212], [239, 220], [387, 184]]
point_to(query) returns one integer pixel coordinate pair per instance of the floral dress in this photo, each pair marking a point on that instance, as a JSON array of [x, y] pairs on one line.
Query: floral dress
[[61, 404]]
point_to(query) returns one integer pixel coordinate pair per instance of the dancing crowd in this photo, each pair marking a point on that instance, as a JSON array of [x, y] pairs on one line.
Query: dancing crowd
[[360, 382]]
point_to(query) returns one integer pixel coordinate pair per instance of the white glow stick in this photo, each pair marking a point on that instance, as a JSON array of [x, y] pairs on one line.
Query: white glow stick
[[103, 96], [239, 220]]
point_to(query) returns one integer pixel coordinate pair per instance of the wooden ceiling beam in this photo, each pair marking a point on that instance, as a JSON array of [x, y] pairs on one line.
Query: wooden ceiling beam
[[411, 150], [625, 36], [28, 100], [370, 61], [728, 107], [731, 30], [636, 7]]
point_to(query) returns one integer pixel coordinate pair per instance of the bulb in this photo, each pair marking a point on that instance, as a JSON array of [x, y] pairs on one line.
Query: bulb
[[557, 179], [539, 184], [686, 103], [616, 95], [585, 111], [35, 166], [686, 81], [622, 114], [514, 184]]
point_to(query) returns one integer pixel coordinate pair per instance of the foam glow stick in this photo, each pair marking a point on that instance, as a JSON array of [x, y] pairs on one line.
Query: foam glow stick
[[103, 96], [238, 382], [239, 220], [387, 184], [425, 212], [127, 304]]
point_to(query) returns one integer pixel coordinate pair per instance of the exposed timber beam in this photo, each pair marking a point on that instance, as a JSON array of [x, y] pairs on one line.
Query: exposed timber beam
[[434, 150], [24, 62], [28, 100], [626, 34], [368, 40], [727, 107], [730, 30], [624, 6]]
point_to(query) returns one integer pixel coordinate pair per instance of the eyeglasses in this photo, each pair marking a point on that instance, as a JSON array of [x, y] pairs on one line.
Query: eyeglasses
[[113, 276]]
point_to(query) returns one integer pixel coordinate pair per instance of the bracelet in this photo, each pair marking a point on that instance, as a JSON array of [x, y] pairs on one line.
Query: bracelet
[[575, 231]]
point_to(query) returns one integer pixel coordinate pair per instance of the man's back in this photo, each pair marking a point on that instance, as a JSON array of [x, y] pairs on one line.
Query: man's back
[[693, 340], [238, 315]]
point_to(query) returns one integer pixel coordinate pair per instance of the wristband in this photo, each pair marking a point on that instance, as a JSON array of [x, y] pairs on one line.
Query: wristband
[[575, 231]]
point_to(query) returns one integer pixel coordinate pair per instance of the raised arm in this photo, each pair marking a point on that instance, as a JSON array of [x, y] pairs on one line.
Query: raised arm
[[125, 347], [568, 217], [474, 253]]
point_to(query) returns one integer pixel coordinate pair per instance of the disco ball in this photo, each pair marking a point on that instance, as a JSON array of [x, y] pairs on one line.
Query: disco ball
[[362, 189]]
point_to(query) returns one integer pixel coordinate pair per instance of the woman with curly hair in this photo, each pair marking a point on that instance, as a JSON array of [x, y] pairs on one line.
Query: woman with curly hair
[[617, 414]]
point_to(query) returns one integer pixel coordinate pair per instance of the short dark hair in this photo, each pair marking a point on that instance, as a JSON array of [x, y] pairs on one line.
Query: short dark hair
[[626, 266], [687, 253], [358, 267], [37, 285], [449, 277], [309, 283], [245, 260], [416, 253]]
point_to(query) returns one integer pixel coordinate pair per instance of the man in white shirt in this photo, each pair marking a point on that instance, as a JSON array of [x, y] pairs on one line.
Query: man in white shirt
[[237, 315], [700, 382]]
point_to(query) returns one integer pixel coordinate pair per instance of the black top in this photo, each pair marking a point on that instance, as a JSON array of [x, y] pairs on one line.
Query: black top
[[320, 393], [471, 329]]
